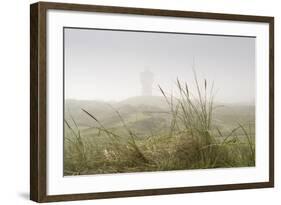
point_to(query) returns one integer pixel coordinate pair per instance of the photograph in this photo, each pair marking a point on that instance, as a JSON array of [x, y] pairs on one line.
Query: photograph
[[140, 101], [147, 101]]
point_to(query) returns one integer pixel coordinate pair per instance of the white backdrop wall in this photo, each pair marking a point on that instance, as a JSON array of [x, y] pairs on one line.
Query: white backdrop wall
[[14, 101]]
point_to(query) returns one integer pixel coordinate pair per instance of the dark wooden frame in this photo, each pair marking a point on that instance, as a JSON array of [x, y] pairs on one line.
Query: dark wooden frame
[[38, 101]]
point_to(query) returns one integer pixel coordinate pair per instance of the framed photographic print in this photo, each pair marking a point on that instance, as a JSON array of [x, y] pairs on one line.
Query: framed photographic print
[[134, 102]]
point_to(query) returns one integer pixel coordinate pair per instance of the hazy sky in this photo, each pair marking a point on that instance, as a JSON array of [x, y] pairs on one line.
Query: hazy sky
[[106, 65]]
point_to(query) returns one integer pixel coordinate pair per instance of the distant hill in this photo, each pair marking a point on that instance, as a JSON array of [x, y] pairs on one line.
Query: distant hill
[[146, 114], [106, 112], [153, 101]]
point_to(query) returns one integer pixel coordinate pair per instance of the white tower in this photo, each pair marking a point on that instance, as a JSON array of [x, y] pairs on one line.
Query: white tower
[[147, 79]]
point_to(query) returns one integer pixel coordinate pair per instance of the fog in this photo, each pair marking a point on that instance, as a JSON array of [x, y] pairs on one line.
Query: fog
[[106, 65]]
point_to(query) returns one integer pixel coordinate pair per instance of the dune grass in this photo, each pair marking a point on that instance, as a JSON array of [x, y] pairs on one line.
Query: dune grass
[[192, 141]]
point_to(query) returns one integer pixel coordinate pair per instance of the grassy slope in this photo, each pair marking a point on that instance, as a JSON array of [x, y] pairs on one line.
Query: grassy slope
[[156, 134]]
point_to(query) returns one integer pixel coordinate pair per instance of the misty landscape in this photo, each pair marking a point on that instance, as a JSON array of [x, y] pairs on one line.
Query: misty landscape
[[141, 101]]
